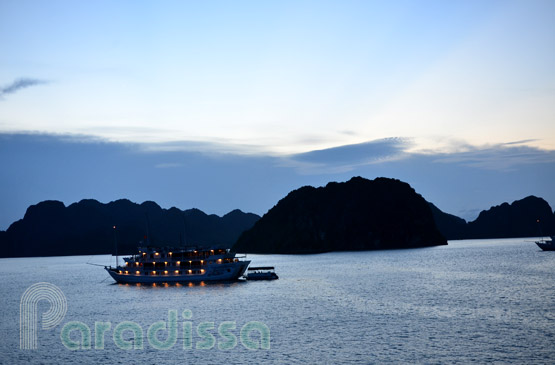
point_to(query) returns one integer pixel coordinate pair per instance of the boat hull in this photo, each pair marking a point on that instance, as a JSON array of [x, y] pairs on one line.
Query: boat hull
[[546, 246], [225, 272], [262, 276]]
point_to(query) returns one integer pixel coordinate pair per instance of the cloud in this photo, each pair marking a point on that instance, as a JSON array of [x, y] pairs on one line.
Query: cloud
[[348, 132], [348, 157], [500, 157], [388, 153], [210, 148], [524, 141], [19, 84], [463, 182]]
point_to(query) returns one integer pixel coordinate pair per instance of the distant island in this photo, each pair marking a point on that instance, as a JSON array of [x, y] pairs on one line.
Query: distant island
[[359, 214], [87, 227], [528, 217]]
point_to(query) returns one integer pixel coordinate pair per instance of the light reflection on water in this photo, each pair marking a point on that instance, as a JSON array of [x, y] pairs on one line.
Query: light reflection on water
[[479, 301]]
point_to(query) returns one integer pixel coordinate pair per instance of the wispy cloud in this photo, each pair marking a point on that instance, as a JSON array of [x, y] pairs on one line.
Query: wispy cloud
[[501, 157], [348, 157], [521, 142], [211, 148], [19, 84]]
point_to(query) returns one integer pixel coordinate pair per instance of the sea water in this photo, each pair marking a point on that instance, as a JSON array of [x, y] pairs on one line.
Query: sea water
[[471, 301]]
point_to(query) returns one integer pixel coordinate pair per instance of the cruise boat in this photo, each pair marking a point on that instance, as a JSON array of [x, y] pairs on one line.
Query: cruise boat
[[547, 245], [170, 265], [262, 273]]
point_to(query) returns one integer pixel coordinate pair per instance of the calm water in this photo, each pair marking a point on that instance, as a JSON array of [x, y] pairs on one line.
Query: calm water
[[471, 301]]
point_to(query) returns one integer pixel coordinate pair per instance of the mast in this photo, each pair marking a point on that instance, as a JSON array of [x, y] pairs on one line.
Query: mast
[[540, 227], [116, 246], [147, 229], [184, 231]]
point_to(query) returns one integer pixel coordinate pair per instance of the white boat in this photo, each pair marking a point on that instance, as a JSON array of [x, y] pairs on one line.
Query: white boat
[[262, 273], [547, 245], [172, 265]]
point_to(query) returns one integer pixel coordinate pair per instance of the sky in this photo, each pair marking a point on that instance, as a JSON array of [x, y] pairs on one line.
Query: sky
[[231, 104]]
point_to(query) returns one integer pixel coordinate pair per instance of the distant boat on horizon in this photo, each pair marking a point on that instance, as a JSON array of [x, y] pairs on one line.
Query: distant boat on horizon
[[547, 245]]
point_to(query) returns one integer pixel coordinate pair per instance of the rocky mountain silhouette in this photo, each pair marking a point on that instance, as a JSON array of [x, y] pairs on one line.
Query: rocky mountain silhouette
[[528, 217], [359, 214], [50, 228]]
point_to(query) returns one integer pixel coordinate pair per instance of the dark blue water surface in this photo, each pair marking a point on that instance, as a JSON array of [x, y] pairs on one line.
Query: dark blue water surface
[[471, 301]]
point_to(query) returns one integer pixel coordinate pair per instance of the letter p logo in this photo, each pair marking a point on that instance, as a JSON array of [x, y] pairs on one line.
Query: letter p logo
[[28, 308]]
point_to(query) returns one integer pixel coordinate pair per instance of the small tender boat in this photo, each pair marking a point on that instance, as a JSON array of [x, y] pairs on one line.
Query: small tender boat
[[547, 245], [261, 273], [170, 265]]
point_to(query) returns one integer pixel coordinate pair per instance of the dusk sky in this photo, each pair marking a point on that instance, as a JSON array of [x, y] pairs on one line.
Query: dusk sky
[[231, 104]]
